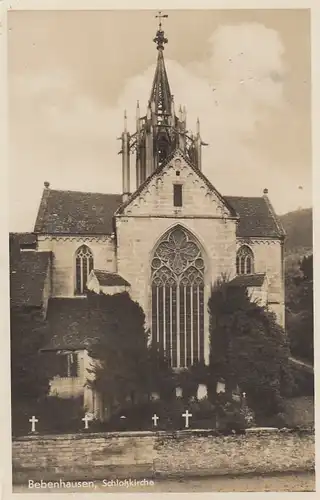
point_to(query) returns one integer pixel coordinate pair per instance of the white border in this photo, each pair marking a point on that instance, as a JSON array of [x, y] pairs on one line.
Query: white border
[[314, 5]]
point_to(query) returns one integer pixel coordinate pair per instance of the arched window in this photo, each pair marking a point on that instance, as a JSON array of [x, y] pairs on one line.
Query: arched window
[[84, 265], [177, 298], [245, 260]]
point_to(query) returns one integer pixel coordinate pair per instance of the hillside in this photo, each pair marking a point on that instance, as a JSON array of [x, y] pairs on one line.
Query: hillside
[[298, 226]]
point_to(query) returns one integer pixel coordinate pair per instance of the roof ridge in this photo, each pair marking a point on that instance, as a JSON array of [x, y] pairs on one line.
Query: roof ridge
[[83, 192], [15, 233], [252, 274], [75, 298], [105, 271], [244, 197]]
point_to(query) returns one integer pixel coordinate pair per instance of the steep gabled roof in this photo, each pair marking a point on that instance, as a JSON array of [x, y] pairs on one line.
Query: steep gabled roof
[[75, 212], [257, 217], [248, 280], [161, 167], [28, 273], [106, 278], [68, 324]]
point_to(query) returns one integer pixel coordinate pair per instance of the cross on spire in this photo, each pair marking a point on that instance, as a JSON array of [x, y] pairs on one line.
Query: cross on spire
[[160, 39], [161, 16]]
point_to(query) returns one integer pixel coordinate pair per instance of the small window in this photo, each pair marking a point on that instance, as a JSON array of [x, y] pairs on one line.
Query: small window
[[177, 195], [245, 260], [67, 365]]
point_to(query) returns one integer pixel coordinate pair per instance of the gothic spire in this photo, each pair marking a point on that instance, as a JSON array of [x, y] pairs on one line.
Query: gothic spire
[[161, 131], [160, 92]]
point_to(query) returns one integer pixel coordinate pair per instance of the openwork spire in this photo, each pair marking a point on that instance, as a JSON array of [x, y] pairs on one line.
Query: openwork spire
[[160, 131], [160, 92]]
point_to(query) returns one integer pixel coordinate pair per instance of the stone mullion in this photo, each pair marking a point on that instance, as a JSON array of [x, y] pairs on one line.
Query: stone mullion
[[178, 323], [198, 321], [185, 325], [164, 318], [191, 322], [170, 308], [157, 306]]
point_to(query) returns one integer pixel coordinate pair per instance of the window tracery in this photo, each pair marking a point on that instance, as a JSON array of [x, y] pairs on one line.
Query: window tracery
[[84, 266], [178, 298], [245, 260]]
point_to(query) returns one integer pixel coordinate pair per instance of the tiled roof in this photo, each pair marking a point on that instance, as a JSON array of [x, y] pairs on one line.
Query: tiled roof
[[69, 325], [110, 279], [74, 212], [248, 280], [23, 238], [28, 272], [257, 217]]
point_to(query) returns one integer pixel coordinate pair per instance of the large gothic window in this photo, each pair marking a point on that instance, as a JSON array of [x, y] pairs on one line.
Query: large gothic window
[[245, 260], [178, 298], [84, 265]]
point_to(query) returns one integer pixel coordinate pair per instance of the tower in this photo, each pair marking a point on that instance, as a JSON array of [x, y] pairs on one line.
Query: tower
[[160, 131]]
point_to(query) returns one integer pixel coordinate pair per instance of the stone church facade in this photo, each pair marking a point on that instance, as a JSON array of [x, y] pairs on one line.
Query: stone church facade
[[165, 242]]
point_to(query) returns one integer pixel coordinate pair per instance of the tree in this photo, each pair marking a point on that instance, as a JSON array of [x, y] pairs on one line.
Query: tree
[[121, 351], [299, 308], [159, 374], [29, 373], [248, 348]]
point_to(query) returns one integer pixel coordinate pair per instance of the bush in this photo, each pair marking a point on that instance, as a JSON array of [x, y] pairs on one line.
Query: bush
[[230, 416], [278, 420], [248, 348], [303, 383], [225, 416], [55, 416], [139, 416]]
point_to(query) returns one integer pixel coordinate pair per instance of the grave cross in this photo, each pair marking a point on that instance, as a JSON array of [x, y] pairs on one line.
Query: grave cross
[[155, 419], [86, 419], [187, 415], [33, 422]]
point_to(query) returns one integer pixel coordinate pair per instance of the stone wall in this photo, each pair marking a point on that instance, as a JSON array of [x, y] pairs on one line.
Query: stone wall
[[268, 259], [68, 387], [150, 215], [151, 455], [63, 264]]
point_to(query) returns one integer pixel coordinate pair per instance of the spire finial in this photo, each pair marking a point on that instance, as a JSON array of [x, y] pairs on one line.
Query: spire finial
[[125, 120], [160, 39]]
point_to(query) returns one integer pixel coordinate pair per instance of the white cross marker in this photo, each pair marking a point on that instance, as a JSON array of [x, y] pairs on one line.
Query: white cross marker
[[155, 419], [33, 422], [187, 415], [86, 419]]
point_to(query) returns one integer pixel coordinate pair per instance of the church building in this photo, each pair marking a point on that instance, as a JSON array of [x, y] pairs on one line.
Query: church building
[[165, 239]]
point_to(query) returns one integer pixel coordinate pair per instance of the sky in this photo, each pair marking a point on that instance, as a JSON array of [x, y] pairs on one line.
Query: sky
[[245, 73]]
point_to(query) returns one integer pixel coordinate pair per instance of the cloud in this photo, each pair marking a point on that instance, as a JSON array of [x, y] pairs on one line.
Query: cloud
[[70, 139]]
